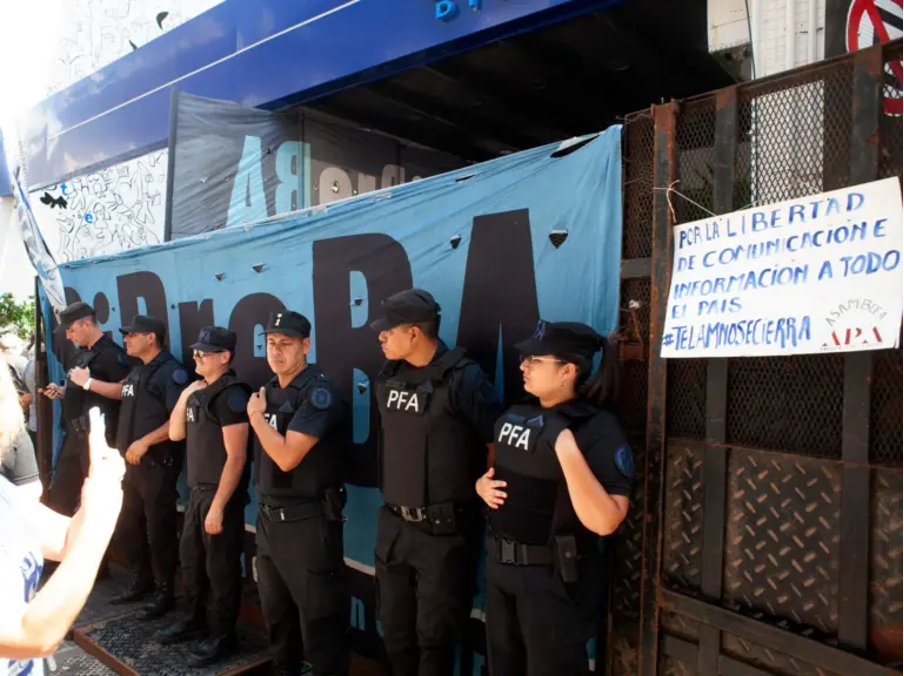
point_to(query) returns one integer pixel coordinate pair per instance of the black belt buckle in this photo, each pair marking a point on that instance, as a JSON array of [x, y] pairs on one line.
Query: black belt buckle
[[506, 551]]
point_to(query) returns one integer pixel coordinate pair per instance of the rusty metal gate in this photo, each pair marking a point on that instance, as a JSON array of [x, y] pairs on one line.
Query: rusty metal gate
[[765, 532]]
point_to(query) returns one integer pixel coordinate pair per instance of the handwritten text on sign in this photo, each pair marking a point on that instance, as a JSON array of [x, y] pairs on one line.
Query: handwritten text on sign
[[818, 274]]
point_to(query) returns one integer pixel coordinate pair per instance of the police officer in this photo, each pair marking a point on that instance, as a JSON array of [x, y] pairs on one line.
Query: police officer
[[147, 522], [302, 433], [561, 478], [211, 415], [437, 410], [107, 362]]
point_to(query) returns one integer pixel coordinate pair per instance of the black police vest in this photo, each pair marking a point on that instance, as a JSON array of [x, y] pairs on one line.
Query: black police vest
[[538, 506], [144, 408], [429, 452], [78, 401], [205, 448], [321, 467]]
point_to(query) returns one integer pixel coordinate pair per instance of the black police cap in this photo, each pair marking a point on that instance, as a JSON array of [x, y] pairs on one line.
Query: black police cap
[[289, 323], [215, 339], [145, 324], [72, 313], [562, 339], [407, 307]]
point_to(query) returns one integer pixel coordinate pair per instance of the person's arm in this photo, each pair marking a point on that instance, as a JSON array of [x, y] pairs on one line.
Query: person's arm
[[475, 398], [309, 424], [177, 426], [599, 511], [230, 408], [36, 628], [80, 375], [235, 438], [138, 448]]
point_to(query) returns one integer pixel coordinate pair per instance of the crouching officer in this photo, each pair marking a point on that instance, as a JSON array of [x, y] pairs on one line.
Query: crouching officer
[[437, 410], [97, 358], [302, 433], [561, 479], [211, 415], [147, 522]]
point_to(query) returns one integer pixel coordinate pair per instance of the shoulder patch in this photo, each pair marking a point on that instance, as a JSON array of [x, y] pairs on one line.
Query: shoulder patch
[[238, 401], [180, 376], [321, 398], [624, 461]]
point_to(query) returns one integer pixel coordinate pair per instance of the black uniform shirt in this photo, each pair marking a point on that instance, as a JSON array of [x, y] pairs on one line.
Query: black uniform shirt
[[109, 363], [230, 406], [167, 380], [605, 447], [474, 395], [313, 417]]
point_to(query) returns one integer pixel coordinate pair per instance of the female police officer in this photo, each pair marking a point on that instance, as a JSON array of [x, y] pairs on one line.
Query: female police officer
[[561, 478]]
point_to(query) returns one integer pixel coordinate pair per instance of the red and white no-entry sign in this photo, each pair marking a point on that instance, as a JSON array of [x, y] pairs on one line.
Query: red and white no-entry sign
[[872, 22]]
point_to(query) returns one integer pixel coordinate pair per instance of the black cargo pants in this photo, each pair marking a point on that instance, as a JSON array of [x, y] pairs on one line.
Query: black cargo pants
[[213, 563]]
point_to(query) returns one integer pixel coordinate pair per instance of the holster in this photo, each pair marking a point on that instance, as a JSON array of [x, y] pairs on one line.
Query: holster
[[567, 558], [442, 518], [334, 500]]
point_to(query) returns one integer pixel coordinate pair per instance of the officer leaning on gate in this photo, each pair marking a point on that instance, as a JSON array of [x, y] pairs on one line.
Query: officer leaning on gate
[[437, 410], [302, 434], [148, 517], [107, 362], [211, 416]]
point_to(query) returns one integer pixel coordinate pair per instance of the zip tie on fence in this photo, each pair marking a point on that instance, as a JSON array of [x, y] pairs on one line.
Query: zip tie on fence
[[668, 196]]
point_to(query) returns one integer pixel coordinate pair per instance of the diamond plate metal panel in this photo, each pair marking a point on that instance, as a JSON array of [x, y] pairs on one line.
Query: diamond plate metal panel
[[623, 652], [669, 666], [782, 539], [628, 560], [679, 625], [885, 591], [767, 658], [682, 558]]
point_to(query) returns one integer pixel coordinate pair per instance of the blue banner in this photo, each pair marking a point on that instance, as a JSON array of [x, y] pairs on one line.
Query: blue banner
[[537, 234]]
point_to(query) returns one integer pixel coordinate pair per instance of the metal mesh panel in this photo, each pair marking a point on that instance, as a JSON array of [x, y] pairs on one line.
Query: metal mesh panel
[[635, 373], [890, 161], [782, 540], [682, 556], [789, 404], [885, 560], [799, 133], [695, 136], [768, 658], [886, 424], [686, 399], [637, 239]]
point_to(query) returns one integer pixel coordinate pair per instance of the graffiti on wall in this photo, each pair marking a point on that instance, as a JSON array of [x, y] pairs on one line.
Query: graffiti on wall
[[118, 208], [96, 33]]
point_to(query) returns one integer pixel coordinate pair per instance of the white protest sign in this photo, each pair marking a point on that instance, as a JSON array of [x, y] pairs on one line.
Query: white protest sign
[[812, 275]]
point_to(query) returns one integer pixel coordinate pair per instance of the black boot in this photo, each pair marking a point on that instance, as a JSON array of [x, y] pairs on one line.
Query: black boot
[[213, 650], [187, 628], [163, 602], [141, 583]]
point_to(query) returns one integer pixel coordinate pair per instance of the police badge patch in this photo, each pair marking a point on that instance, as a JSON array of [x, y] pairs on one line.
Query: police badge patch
[[321, 398], [180, 377], [624, 461]]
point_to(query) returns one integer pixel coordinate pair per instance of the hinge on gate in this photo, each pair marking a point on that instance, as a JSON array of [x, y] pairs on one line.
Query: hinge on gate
[[630, 343]]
